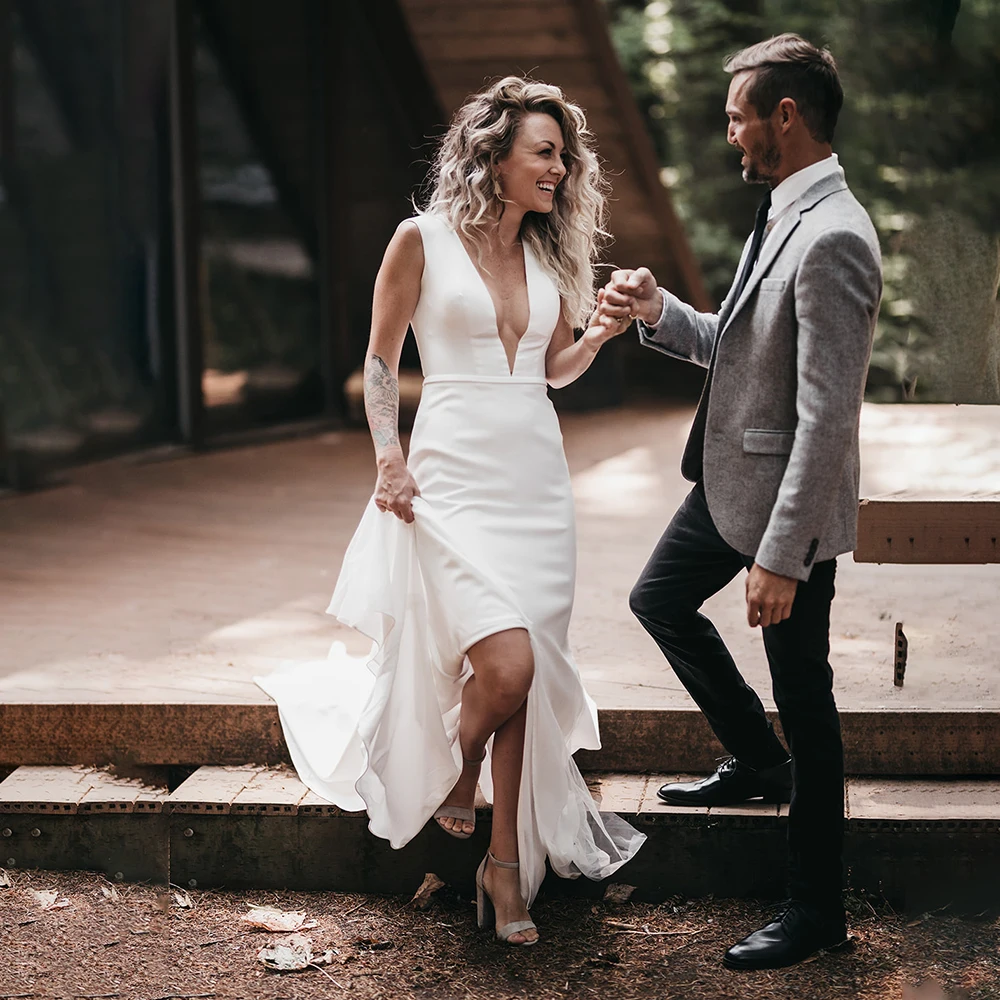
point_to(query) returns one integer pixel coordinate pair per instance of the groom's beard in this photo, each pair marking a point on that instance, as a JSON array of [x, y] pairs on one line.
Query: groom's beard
[[763, 160]]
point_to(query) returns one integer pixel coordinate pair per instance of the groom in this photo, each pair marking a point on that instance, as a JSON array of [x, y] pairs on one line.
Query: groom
[[773, 454]]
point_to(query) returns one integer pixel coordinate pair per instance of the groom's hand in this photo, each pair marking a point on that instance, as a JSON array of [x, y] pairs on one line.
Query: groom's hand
[[769, 597], [637, 291]]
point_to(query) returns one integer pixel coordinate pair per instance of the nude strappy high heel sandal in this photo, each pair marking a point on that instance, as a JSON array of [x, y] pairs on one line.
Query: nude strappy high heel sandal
[[459, 812], [486, 913]]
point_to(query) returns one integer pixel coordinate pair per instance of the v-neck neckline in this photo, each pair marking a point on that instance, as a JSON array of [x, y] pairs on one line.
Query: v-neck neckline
[[525, 252]]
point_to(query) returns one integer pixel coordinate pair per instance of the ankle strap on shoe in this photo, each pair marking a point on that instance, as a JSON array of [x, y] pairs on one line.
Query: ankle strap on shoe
[[503, 864]]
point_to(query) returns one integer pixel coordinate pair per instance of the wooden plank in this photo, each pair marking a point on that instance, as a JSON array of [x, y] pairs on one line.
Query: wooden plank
[[211, 790], [618, 793], [45, 790], [592, 99], [314, 805], [748, 810], [890, 742], [142, 733], [528, 46], [923, 801], [566, 73], [420, 8], [928, 531], [125, 847], [271, 792], [485, 18], [109, 793]]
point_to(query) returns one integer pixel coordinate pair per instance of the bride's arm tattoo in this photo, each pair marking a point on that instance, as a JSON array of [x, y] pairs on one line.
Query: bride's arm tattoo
[[382, 403]]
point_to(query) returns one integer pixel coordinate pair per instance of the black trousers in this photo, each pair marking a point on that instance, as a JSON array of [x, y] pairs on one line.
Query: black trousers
[[692, 562]]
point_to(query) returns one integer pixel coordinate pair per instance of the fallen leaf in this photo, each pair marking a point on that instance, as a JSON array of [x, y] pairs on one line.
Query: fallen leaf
[[110, 892], [269, 918], [183, 900], [49, 899], [292, 954], [422, 897]]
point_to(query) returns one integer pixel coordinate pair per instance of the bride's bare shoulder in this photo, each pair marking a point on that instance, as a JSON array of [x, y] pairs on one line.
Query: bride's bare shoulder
[[405, 251]]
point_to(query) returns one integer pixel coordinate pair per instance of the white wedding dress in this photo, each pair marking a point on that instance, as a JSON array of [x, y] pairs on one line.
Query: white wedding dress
[[492, 547]]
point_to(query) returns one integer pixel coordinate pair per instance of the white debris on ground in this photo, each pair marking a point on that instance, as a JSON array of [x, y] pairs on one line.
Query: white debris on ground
[[269, 918]]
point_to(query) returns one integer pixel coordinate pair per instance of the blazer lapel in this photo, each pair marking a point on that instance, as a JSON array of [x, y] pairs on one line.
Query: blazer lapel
[[782, 231], [772, 245]]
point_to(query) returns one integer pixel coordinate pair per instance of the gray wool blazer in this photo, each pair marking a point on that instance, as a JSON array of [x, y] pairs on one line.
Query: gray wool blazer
[[786, 373]]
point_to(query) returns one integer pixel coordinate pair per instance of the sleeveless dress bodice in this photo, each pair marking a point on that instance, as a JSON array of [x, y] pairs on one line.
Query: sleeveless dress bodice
[[455, 320]]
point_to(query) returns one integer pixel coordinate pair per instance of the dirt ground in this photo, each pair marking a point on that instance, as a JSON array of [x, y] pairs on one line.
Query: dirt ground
[[134, 942]]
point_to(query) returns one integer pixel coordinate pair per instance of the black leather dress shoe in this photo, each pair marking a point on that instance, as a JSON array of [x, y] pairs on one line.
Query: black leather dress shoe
[[800, 931], [733, 782]]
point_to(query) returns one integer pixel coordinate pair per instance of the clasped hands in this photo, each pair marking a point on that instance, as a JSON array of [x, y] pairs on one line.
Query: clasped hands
[[628, 295]]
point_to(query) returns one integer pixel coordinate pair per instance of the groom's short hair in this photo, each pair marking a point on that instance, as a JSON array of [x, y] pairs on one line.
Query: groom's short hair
[[789, 66]]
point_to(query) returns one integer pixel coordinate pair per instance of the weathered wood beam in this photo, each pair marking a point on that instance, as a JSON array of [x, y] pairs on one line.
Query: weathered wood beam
[[928, 531], [887, 742]]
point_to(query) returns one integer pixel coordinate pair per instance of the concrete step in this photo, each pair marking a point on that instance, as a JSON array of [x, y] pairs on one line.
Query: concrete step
[[890, 742], [918, 843]]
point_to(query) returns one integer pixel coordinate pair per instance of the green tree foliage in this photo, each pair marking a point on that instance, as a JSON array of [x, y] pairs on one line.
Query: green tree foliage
[[919, 139]]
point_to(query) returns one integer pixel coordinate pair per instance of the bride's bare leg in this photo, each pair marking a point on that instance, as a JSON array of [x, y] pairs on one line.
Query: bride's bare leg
[[503, 884], [503, 667], [495, 702]]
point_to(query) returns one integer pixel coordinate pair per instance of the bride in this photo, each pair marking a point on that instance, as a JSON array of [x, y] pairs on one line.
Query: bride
[[462, 568]]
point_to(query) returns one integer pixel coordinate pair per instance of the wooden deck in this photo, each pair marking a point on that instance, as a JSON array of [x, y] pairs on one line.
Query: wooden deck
[[176, 581]]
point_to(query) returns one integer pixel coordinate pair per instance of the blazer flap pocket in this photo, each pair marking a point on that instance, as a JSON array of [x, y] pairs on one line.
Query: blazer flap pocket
[[772, 284], [767, 442]]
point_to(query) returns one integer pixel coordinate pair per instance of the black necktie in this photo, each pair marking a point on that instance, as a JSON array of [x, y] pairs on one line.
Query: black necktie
[[760, 224], [692, 466]]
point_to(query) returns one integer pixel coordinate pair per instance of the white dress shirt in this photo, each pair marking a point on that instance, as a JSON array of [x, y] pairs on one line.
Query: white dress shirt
[[795, 186]]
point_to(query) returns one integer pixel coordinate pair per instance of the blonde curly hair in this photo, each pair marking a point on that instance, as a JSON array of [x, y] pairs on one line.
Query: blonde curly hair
[[465, 189]]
